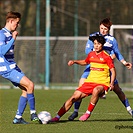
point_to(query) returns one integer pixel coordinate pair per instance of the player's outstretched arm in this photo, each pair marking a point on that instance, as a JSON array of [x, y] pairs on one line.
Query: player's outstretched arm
[[4, 47], [127, 64], [79, 62], [119, 55]]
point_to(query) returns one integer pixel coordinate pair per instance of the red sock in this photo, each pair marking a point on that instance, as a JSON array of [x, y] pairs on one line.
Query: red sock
[[62, 111], [91, 107]]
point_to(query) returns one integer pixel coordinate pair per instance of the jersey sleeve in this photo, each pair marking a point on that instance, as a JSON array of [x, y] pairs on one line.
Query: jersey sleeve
[[110, 62], [2, 38], [87, 60], [116, 50], [112, 52], [89, 47], [3, 46]]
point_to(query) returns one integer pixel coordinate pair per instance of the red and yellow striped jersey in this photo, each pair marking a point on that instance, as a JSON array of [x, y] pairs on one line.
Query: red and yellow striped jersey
[[100, 64]]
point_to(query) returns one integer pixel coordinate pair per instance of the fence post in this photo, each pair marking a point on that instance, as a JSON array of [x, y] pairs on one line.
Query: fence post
[[47, 56]]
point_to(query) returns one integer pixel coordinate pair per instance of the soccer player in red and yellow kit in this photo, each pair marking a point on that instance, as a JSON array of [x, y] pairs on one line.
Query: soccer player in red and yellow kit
[[96, 83]]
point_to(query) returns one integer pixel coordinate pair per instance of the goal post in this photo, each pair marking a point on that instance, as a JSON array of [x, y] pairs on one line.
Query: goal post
[[113, 27], [124, 37]]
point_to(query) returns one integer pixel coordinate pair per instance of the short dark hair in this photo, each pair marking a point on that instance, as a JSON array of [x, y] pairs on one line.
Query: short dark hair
[[12, 14], [106, 22], [98, 37]]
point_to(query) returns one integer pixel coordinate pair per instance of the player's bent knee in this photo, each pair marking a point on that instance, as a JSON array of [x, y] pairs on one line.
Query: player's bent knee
[[31, 86], [74, 98], [95, 91], [98, 91]]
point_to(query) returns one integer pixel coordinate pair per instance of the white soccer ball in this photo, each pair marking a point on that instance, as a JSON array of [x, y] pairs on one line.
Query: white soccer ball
[[44, 117]]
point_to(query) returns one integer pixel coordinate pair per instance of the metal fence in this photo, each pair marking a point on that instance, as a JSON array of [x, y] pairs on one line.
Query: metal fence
[[30, 57]]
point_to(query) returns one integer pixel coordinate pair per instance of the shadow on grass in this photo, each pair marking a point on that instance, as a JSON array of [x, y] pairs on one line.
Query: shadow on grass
[[61, 121], [102, 120]]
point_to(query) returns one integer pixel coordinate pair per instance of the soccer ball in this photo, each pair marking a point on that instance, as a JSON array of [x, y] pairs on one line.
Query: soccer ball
[[44, 117]]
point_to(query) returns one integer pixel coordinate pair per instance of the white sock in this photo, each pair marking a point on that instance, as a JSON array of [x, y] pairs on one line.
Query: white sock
[[18, 116], [128, 108], [88, 112], [32, 111]]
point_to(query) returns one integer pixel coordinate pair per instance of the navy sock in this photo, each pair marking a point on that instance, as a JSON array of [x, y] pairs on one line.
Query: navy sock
[[77, 105], [21, 105], [126, 103], [31, 101]]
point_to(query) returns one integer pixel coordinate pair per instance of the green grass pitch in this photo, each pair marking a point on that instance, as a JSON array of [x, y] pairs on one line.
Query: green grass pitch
[[109, 116]]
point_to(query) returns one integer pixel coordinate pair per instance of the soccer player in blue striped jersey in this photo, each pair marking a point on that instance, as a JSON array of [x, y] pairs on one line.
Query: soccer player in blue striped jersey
[[111, 46], [10, 71]]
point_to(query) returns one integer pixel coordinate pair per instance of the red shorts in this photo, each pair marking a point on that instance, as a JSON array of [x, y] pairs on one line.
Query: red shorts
[[87, 88]]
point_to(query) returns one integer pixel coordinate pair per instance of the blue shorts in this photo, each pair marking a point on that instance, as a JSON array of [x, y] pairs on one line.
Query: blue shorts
[[87, 71], [115, 82], [15, 75]]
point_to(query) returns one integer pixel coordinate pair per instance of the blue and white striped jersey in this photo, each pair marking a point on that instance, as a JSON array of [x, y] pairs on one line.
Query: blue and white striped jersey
[[110, 46], [7, 62]]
